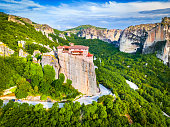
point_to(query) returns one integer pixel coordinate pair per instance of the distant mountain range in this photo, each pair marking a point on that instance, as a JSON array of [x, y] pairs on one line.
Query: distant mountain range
[[143, 38]]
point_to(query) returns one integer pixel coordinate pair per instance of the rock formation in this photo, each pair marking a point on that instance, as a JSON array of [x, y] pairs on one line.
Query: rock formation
[[22, 53], [148, 38], [62, 36], [52, 61], [18, 19], [158, 41], [77, 65], [133, 37], [102, 34], [5, 50], [44, 28]]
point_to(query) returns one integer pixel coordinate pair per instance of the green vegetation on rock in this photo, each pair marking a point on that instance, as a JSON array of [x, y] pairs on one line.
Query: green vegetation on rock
[[11, 33], [84, 27], [32, 79], [136, 108]]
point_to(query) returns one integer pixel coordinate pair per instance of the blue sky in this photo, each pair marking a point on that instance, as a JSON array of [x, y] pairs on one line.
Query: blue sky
[[65, 14]]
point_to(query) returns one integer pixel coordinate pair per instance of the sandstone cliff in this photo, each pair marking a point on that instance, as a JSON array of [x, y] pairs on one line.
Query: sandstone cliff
[[102, 34], [18, 19], [133, 37], [147, 38], [158, 41], [5, 50], [78, 68], [44, 28]]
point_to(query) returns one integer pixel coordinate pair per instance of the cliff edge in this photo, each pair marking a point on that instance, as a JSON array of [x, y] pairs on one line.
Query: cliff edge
[[76, 63]]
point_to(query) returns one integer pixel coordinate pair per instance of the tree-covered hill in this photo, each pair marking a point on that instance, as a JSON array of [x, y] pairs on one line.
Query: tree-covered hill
[[12, 32], [131, 108], [136, 108], [84, 27], [147, 71]]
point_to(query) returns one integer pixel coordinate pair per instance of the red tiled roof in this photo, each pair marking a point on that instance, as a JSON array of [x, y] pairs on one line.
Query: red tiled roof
[[73, 47], [89, 55], [60, 47], [77, 51], [78, 47]]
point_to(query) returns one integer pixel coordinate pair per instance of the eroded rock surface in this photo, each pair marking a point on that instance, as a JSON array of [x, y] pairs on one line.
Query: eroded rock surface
[[77, 65], [158, 41], [102, 34], [148, 38], [133, 37]]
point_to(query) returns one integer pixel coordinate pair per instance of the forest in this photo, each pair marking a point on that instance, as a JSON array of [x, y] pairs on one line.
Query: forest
[[31, 79], [135, 108], [142, 107], [12, 32]]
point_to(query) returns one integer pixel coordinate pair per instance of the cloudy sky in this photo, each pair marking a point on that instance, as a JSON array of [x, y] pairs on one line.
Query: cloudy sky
[[65, 14]]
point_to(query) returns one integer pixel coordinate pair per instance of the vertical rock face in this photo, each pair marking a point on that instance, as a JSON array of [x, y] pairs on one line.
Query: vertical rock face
[[158, 41], [148, 38], [5, 50], [44, 28], [102, 34], [81, 71], [134, 37], [77, 65], [52, 61]]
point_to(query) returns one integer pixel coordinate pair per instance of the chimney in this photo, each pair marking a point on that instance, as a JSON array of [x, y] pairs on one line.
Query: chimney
[[71, 44]]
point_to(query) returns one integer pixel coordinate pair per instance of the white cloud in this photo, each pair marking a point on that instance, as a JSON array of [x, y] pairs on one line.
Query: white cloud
[[67, 15]]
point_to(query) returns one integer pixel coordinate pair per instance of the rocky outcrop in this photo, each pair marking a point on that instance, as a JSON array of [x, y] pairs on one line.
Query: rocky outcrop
[[22, 53], [62, 36], [158, 41], [81, 71], [133, 37], [44, 28], [52, 61], [5, 50], [77, 67], [147, 38], [18, 19], [102, 34]]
